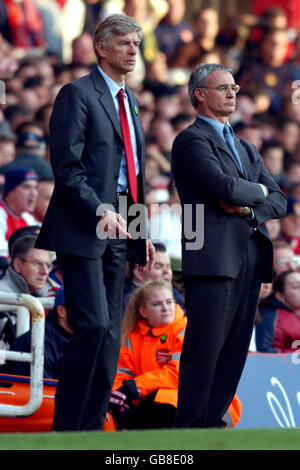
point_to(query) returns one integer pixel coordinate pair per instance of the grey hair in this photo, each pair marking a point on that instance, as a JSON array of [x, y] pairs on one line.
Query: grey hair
[[199, 76], [115, 25]]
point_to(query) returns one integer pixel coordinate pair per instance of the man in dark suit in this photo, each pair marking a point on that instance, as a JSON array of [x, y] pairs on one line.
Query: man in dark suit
[[224, 268], [89, 161]]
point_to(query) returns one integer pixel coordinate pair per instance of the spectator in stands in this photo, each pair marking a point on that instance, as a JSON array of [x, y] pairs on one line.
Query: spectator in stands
[[279, 328], [21, 24], [52, 25], [295, 191], [83, 50], [273, 156], [17, 114], [173, 31], [292, 172], [206, 28], [294, 64], [148, 368], [28, 97], [250, 132], [43, 115], [274, 227], [7, 143], [31, 150], [284, 257], [27, 274], [57, 334], [28, 270], [269, 72], [55, 280], [234, 37], [161, 271], [17, 204], [39, 86], [288, 136], [45, 191], [162, 129], [290, 225]]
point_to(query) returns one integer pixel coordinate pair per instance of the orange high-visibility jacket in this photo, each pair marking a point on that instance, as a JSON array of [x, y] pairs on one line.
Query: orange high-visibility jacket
[[151, 357]]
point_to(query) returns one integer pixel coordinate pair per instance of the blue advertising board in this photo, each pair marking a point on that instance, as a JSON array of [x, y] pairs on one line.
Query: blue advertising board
[[270, 391]]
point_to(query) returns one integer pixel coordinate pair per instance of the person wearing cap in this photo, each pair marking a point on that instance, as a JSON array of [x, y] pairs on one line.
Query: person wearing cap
[[57, 335], [17, 204]]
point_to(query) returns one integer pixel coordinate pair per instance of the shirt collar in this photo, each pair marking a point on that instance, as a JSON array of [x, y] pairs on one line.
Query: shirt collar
[[112, 85], [218, 126]]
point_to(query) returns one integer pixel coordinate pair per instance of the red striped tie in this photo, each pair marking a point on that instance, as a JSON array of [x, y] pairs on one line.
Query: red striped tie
[[132, 179]]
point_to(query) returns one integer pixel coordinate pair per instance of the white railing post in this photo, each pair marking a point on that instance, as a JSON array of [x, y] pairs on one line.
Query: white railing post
[[35, 357]]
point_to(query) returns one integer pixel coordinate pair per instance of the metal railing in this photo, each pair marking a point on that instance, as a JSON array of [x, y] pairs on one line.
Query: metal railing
[[26, 307]]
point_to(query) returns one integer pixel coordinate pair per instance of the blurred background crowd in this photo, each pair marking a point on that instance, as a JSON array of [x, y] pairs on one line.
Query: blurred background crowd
[[47, 43]]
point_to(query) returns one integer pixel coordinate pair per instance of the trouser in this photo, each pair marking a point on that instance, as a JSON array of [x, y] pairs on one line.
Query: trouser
[[93, 297], [221, 314]]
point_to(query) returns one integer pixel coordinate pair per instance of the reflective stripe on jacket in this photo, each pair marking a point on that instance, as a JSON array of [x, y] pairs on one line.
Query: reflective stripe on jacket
[[151, 357]]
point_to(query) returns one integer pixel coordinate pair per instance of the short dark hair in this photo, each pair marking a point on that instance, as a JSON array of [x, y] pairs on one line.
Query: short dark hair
[[28, 230], [21, 247], [279, 281], [160, 247]]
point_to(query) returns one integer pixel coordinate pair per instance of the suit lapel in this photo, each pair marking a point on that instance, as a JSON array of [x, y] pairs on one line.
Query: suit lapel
[[221, 144], [243, 156], [106, 101]]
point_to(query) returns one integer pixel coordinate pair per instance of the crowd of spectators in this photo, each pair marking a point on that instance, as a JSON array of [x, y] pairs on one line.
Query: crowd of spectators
[[46, 43]]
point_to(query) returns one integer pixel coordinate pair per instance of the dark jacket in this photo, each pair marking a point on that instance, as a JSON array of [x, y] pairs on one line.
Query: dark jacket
[[56, 339], [205, 172], [87, 169]]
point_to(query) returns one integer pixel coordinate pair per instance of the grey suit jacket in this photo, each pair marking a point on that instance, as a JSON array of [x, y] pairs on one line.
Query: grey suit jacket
[[205, 172], [85, 149]]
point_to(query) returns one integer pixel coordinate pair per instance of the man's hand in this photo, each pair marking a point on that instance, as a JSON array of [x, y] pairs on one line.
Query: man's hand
[[150, 256], [231, 208], [113, 225]]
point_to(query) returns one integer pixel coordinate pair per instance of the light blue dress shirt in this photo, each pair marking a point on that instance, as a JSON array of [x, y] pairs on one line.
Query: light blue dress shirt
[[114, 89], [219, 127]]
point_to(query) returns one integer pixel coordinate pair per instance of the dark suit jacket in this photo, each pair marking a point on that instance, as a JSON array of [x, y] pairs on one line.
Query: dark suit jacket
[[206, 172], [86, 148]]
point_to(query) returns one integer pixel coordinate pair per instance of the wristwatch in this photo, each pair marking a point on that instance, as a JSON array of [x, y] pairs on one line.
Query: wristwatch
[[245, 212]]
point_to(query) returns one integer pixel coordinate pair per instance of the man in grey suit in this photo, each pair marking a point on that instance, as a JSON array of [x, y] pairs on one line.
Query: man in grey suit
[[222, 172], [89, 161]]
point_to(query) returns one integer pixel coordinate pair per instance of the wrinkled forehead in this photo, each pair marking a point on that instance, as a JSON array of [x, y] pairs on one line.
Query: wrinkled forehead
[[37, 254], [220, 77]]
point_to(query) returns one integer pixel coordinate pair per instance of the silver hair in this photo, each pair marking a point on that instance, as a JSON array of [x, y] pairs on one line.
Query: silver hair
[[199, 76], [115, 25]]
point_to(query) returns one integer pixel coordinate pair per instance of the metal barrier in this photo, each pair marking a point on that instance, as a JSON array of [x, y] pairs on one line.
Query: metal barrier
[[22, 303]]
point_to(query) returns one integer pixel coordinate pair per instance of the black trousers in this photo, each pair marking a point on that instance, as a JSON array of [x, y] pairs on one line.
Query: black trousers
[[93, 296], [148, 414], [221, 313]]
